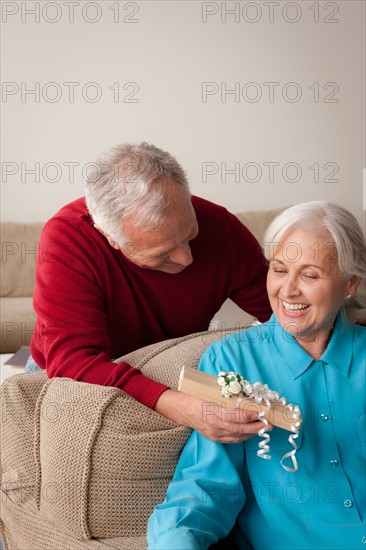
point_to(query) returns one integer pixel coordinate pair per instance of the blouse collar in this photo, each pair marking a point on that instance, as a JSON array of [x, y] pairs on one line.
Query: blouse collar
[[338, 353]]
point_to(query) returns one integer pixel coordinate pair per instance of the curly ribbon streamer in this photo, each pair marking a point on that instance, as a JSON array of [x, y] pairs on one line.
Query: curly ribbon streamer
[[259, 393], [294, 427], [264, 445]]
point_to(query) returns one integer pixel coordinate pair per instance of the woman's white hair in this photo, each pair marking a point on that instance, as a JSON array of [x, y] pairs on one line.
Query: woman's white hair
[[132, 179], [343, 229]]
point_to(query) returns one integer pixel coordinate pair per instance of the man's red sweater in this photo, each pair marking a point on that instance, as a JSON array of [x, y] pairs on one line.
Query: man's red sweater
[[94, 305]]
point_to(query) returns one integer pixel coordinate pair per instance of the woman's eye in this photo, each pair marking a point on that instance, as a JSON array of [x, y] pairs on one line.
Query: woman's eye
[[308, 276]]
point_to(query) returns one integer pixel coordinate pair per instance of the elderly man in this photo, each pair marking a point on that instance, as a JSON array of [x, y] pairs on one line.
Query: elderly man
[[138, 261]]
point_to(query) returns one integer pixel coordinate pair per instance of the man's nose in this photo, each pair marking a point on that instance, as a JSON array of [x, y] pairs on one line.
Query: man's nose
[[182, 255]]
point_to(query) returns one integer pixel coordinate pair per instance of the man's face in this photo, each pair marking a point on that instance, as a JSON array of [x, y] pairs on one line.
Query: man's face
[[167, 248]]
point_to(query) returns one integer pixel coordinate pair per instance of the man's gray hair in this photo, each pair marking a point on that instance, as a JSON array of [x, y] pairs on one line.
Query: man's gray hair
[[132, 179], [343, 229]]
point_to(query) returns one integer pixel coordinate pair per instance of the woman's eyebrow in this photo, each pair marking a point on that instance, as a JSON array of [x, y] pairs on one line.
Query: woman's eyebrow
[[305, 266], [316, 266]]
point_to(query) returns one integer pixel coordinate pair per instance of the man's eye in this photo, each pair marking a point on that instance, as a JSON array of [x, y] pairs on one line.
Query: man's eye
[[156, 258]]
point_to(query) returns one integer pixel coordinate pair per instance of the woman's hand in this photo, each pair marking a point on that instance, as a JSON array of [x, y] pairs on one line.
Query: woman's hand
[[216, 422]]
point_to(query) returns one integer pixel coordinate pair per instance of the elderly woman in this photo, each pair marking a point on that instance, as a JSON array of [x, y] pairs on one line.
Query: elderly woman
[[311, 354]]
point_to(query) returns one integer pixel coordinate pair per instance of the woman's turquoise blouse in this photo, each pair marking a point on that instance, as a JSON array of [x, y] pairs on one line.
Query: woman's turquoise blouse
[[322, 505]]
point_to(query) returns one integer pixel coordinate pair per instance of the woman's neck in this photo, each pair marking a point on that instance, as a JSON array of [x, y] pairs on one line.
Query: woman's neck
[[317, 343]]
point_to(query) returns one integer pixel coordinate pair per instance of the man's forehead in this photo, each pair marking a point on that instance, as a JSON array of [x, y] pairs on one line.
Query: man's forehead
[[174, 229]]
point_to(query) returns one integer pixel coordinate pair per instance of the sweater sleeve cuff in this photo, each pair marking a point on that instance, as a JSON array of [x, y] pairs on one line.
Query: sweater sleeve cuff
[[143, 389]]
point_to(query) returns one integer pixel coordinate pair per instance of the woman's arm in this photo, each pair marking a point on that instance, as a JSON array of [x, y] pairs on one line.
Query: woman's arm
[[206, 494], [203, 499]]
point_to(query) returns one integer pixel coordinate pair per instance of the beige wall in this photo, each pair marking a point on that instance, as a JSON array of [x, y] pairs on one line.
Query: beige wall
[[171, 63]]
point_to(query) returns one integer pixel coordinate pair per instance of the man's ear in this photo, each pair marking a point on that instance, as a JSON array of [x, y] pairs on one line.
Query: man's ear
[[112, 243]]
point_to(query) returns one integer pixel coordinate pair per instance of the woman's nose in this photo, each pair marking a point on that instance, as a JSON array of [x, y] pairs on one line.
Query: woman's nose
[[290, 287]]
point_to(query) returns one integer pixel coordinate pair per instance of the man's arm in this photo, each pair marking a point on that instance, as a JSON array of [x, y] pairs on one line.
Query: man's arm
[[71, 337], [189, 411]]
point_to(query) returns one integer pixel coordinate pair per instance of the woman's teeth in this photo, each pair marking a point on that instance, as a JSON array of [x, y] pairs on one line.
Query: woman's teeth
[[294, 307]]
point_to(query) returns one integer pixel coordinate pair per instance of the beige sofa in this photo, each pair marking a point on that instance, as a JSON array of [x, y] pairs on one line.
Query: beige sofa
[[18, 259], [19, 244], [83, 465]]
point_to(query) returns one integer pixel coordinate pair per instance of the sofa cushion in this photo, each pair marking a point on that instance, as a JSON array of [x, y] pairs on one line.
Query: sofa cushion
[[258, 221], [103, 459], [17, 322], [19, 242]]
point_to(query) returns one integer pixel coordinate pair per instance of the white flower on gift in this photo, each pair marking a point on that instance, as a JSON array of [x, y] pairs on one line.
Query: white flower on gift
[[225, 392], [247, 387], [221, 381], [235, 387]]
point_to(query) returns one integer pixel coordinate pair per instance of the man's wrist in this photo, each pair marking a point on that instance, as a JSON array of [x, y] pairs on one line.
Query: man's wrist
[[168, 405]]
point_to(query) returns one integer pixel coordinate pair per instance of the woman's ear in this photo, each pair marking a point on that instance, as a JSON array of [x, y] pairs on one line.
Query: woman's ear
[[352, 285]]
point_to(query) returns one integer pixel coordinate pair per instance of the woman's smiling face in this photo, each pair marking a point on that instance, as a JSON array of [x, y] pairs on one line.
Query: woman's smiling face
[[305, 285]]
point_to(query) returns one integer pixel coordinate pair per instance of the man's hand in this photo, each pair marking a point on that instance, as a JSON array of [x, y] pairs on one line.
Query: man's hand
[[218, 423]]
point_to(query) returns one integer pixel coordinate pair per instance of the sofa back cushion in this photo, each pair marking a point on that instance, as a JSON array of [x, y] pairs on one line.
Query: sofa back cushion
[[19, 242], [103, 459], [258, 221]]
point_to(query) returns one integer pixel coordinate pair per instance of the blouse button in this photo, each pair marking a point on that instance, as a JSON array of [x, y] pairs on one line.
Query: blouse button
[[324, 417], [348, 503], [334, 463]]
